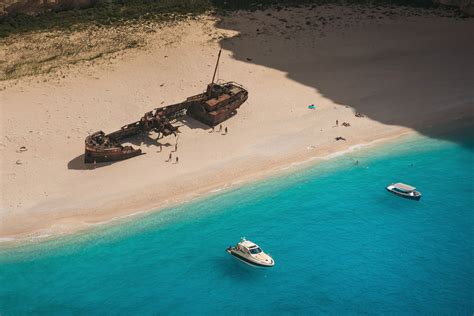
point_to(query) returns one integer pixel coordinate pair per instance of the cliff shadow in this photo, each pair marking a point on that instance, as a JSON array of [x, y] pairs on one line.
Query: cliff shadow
[[395, 67]]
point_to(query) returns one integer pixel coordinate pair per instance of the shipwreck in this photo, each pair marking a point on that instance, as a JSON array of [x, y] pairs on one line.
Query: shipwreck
[[219, 102]]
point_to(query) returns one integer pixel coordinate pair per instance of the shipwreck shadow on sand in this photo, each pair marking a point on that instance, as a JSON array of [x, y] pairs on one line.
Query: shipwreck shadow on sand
[[144, 139], [136, 141], [78, 164], [411, 68], [191, 123]]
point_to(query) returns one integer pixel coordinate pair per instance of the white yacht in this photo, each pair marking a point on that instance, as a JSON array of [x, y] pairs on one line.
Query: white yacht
[[404, 190], [251, 254]]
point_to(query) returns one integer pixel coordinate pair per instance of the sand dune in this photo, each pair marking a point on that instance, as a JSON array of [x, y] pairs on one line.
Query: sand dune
[[405, 73]]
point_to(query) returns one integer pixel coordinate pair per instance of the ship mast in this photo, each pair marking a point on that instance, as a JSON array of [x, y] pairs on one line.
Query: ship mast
[[217, 64]]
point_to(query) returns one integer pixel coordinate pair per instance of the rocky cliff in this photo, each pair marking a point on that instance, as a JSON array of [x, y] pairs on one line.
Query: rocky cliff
[[33, 7], [466, 6]]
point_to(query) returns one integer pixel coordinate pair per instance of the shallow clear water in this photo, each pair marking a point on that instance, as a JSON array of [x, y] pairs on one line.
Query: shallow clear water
[[342, 245]]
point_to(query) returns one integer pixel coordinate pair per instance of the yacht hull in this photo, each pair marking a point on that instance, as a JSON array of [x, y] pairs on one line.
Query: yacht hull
[[246, 260], [406, 196]]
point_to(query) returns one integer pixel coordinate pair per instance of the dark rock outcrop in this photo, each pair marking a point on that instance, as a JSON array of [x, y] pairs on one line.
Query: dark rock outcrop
[[34, 7], [466, 6]]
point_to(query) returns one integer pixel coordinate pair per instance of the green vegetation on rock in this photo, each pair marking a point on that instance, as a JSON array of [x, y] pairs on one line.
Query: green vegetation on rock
[[110, 12]]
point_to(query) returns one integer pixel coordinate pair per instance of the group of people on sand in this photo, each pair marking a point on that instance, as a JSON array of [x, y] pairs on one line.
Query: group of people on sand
[[220, 130], [345, 124], [170, 156]]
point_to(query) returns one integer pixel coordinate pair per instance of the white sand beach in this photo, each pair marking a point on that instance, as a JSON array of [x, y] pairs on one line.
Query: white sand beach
[[404, 73]]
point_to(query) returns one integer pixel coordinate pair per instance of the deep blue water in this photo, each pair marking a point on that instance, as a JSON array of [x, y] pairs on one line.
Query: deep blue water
[[342, 245]]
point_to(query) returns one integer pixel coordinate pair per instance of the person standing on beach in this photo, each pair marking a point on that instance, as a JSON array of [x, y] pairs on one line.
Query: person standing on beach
[[170, 157], [225, 131], [220, 128], [337, 122], [176, 147], [177, 159]]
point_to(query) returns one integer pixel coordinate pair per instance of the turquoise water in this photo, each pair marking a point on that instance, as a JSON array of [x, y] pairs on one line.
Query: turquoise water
[[342, 245]]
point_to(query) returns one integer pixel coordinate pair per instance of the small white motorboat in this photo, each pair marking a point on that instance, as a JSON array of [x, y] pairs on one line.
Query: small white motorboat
[[250, 253], [404, 190]]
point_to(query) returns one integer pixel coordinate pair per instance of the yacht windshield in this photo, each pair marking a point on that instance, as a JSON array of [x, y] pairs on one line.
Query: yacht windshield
[[400, 190], [254, 251]]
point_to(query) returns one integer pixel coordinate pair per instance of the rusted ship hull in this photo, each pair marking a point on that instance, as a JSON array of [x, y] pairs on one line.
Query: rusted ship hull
[[212, 116], [217, 104], [101, 147], [93, 155]]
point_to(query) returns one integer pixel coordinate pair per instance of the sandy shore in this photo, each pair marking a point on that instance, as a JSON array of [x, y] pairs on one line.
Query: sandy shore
[[406, 74]]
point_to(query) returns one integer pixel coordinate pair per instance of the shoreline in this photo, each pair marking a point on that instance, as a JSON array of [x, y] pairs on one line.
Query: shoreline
[[294, 166], [339, 208], [192, 196], [46, 189]]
